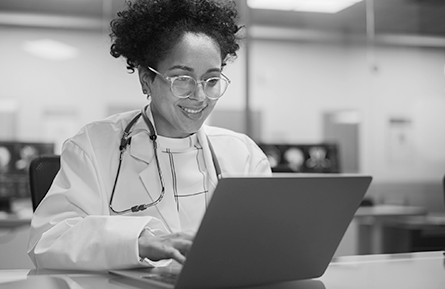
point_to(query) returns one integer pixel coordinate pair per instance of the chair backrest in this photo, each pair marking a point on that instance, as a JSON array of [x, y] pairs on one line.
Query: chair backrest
[[42, 171]]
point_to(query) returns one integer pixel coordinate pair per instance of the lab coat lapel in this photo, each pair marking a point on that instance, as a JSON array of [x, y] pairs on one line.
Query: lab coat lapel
[[213, 180], [141, 148], [167, 207], [130, 191]]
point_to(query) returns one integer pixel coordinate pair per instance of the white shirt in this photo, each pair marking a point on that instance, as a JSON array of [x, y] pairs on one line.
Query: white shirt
[[185, 177]]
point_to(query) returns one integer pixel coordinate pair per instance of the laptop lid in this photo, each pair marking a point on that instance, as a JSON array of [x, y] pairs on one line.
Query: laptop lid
[[260, 230]]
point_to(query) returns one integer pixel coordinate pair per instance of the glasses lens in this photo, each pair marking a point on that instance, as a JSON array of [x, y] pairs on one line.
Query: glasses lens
[[215, 87], [183, 86]]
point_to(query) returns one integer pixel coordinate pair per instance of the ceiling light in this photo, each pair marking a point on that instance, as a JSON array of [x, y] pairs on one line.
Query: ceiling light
[[50, 49], [320, 6]]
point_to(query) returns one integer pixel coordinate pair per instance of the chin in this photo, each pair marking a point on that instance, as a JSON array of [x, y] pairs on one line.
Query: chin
[[192, 129]]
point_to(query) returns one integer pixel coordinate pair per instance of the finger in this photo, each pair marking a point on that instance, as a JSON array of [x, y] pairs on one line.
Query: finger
[[174, 254], [183, 236], [182, 245], [191, 234]]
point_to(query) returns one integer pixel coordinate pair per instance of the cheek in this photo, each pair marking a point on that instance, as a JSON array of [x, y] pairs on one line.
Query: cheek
[[163, 97], [160, 89], [212, 105]]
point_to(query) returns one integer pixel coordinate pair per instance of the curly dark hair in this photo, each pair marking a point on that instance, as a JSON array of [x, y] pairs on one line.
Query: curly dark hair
[[147, 30]]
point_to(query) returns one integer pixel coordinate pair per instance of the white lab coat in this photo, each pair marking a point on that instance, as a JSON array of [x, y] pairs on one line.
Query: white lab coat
[[73, 227]]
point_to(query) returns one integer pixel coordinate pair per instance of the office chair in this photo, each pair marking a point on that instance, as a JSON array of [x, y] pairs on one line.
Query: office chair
[[42, 171]]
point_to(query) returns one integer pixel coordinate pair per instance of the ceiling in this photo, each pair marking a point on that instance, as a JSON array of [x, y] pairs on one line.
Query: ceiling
[[412, 17], [418, 17]]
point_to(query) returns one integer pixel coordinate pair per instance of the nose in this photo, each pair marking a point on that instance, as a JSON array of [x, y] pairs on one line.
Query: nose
[[199, 93]]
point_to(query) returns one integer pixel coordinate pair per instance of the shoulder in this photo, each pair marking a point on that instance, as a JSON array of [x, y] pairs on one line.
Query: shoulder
[[237, 153], [119, 120], [219, 133], [104, 132], [229, 138]]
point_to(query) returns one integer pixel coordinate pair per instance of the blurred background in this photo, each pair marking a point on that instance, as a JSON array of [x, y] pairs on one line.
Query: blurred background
[[356, 87]]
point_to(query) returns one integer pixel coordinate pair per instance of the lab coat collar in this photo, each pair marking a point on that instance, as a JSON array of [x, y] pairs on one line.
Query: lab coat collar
[[141, 149], [141, 146]]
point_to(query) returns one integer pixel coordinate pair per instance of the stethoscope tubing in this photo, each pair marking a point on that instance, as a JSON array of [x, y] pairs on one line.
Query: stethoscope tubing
[[126, 141]]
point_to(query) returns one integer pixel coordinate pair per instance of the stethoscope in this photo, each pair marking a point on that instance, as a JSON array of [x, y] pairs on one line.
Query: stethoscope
[[126, 141]]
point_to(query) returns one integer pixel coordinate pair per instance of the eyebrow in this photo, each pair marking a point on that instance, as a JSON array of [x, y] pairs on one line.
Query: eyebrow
[[186, 68]]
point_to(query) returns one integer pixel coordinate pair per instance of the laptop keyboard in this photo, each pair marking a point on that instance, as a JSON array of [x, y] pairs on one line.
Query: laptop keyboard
[[164, 277]]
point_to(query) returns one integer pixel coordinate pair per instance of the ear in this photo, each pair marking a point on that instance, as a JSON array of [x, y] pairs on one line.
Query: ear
[[145, 80]]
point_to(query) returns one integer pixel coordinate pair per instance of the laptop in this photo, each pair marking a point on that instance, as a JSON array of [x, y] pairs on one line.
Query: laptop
[[264, 230]]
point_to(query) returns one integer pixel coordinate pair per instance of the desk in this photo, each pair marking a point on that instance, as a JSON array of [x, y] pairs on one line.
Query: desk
[[14, 235], [415, 233], [370, 220], [412, 270], [374, 218]]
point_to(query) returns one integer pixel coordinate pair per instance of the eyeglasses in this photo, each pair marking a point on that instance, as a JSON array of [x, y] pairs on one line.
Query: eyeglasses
[[183, 86]]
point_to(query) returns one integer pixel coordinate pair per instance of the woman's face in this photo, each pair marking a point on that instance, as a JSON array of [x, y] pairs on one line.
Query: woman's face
[[198, 56]]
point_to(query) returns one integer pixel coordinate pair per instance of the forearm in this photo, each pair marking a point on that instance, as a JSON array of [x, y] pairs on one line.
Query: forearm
[[93, 243]]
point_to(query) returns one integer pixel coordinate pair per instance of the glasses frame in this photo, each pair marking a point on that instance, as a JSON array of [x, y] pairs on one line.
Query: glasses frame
[[197, 82]]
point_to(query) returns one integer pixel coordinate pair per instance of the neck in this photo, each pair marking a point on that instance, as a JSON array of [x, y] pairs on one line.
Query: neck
[[156, 118]]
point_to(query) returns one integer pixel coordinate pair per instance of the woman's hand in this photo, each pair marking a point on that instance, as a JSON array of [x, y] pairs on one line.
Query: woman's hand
[[172, 246]]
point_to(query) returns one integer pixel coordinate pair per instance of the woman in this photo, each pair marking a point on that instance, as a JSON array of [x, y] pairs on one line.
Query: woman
[[133, 188]]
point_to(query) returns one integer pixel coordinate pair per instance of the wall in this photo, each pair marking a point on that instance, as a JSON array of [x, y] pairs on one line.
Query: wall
[[292, 83], [400, 98], [84, 85]]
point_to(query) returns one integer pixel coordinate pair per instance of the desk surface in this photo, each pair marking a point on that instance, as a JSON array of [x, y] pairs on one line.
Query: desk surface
[[390, 211], [412, 270]]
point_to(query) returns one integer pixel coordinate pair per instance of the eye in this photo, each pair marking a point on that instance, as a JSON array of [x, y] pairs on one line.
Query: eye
[[212, 81], [183, 80]]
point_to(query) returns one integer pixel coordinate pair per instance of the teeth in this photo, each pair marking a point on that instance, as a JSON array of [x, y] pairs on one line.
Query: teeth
[[189, 110]]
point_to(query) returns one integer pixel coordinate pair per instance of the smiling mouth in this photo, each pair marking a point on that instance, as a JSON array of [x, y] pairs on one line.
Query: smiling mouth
[[192, 111]]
